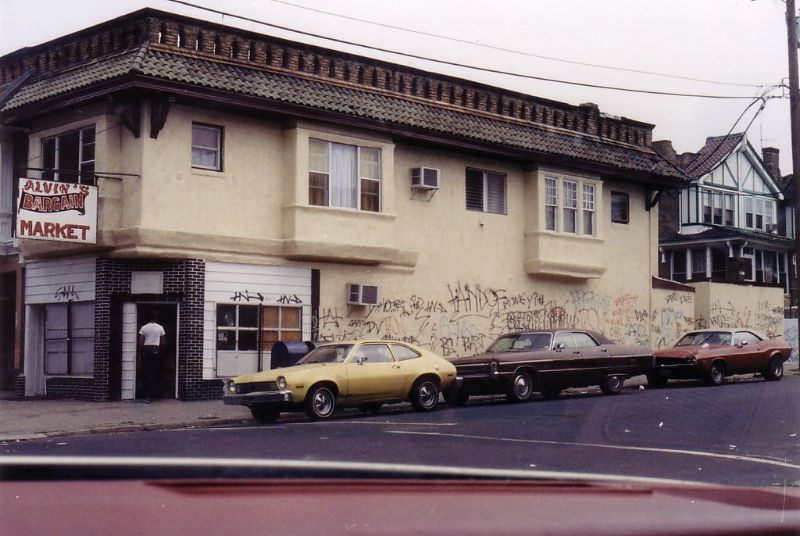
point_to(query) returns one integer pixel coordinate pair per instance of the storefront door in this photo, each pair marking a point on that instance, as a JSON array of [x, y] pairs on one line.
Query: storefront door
[[165, 314]]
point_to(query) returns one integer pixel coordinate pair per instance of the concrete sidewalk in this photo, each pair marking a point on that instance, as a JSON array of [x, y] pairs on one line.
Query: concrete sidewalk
[[32, 419]]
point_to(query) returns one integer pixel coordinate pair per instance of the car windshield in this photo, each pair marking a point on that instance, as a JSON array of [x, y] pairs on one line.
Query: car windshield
[[711, 338], [521, 342], [331, 353]]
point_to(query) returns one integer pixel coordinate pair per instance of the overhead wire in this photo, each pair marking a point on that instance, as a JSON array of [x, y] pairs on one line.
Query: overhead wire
[[458, 64], [510, 50]]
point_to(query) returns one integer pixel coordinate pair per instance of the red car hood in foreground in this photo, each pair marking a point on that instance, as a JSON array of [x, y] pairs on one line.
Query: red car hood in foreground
[[418, 500]]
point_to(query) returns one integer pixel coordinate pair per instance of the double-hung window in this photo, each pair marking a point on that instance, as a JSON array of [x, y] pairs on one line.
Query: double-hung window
[[570, 206], [344, 176], [69, 157], [206, 147], [486, 191]]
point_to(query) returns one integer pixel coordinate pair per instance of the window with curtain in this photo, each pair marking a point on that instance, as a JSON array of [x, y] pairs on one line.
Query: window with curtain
[[486, 191], [206, 147], [69, 157], [551, 204], [570, 194], [344, 176]]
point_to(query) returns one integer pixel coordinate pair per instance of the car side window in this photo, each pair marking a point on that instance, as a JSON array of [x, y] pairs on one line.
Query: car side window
[[403, 353], [563, 338], [745, 336], [375, 353], [582, 340]]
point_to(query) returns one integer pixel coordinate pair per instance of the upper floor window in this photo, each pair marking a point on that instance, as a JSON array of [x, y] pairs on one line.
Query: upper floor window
[[486, 191], [206, 147], [69, 157], [718, 208], [344, 176], [570, 206], [620, 207], [759, 213]]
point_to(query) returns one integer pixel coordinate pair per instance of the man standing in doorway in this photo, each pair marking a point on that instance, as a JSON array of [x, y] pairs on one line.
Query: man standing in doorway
[[151, 335]]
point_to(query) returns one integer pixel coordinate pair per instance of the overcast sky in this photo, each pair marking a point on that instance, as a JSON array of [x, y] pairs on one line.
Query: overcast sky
[[740, 42]]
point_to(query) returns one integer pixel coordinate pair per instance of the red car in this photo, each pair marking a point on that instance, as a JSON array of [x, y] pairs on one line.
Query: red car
[[712, 354]]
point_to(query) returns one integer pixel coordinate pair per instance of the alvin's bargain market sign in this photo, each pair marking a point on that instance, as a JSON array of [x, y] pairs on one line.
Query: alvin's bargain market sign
[[60, 211]]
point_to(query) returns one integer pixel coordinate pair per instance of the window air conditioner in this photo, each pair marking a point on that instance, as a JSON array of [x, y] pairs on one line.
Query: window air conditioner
[[424, 178], [358, 294], [772, 228]]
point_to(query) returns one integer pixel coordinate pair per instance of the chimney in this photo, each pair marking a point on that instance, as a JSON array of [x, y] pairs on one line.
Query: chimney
[[771, 157], [666, 150]]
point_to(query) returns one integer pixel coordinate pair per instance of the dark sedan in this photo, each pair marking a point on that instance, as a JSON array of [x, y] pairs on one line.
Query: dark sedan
[[712, 354], [519, 364]]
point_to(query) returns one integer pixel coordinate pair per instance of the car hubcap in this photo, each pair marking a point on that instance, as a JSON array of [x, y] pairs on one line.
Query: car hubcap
[[716, 374], [521, 386], [323, 402], [613, 383], [427, 394], [777, 370]]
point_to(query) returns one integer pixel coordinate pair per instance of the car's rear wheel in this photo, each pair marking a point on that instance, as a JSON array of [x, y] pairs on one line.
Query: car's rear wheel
[[716, 374], [612, 385], [370, 409], [455, 397], [265, 414], [654, 379], [425, 394], [320, 402], [521, 387], [774, 370]]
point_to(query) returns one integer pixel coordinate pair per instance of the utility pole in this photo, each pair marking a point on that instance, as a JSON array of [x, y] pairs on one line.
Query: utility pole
[[794, 109]]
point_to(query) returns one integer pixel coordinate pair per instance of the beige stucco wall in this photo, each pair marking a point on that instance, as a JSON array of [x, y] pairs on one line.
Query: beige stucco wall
[[722, 305], [672, 315], [449, 278]]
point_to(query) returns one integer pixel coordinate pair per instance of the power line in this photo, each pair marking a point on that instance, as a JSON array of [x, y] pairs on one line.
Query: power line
[[512, 51], [763, 99], [462, 65]]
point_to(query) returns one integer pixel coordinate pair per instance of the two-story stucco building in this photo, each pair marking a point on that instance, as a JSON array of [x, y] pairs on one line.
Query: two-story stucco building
[[252, 189]]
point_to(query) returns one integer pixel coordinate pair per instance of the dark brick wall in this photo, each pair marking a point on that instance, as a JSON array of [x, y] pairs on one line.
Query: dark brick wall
[[184, 283], [64, 387], [668, 214]]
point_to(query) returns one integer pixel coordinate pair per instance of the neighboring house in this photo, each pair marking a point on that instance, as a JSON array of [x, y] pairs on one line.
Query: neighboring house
[[728, 232], [253, 189]]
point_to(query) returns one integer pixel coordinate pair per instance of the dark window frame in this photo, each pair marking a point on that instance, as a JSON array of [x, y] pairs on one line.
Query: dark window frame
[[83, 169], [627, 200], [486, 176]]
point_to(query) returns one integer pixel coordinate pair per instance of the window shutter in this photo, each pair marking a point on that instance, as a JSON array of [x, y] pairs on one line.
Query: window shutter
[[474, 189]]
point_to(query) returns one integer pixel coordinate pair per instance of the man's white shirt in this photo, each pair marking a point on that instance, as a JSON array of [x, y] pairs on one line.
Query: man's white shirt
[[152, 333]]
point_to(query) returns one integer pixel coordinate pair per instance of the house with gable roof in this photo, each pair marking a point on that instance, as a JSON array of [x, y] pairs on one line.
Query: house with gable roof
[[729, 233]]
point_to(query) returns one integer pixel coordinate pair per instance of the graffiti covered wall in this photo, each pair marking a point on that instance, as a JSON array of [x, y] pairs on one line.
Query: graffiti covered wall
[[721, 305], [465, 318]]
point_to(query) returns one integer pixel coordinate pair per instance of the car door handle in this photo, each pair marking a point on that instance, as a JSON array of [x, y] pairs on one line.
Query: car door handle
[[395, 366], [576, 352]]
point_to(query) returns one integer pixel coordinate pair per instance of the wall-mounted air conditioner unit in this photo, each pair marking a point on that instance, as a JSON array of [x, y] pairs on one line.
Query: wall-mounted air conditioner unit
[[358, 294], [423, 178]]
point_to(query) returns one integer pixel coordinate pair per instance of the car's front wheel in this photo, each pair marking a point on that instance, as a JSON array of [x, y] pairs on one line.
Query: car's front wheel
[[425, 394], [774, 370], [265, 414], [320, 402], [716, 374], [611, 385], [521, 387]]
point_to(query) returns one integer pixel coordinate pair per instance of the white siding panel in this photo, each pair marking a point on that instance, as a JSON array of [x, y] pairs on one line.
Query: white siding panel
[[128, 351], [60, 280], [233, 283]]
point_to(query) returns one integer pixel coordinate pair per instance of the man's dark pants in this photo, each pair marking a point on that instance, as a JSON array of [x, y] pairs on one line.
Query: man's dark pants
[[150, 356]]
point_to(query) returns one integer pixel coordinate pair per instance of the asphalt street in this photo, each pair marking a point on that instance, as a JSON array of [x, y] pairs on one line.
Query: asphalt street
[[742, 433]]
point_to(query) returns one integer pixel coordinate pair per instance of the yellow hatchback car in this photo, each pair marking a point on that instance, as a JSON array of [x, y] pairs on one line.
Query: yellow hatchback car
[[366, 374]]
